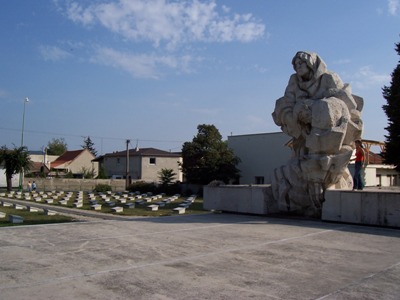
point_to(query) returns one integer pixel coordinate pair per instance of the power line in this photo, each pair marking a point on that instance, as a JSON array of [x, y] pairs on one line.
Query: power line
[[97, 137]]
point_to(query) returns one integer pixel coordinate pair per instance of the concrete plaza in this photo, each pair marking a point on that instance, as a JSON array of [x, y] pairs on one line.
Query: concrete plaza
[[209, 256]]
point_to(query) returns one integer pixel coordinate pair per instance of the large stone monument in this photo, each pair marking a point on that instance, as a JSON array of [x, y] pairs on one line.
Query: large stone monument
[[323, 118]]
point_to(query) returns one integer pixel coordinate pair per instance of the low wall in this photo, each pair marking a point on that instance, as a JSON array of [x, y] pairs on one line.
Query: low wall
[[251, 199], [70, 184], [369, 207]]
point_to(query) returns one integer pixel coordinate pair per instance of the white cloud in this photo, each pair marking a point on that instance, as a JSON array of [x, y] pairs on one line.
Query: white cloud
[[3, 94], [53, 53], [78, 14], [206, 111], [254, 121], [141, 65], [366, 78], [343, 61], [393, 6], [168, 23]]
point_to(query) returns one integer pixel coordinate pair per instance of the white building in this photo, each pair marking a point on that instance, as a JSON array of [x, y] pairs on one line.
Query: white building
[[261, 153], [3, 179]]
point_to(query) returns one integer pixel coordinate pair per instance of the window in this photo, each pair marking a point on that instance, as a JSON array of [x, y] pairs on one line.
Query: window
[[118, 161], [259, 179], [152, 160]]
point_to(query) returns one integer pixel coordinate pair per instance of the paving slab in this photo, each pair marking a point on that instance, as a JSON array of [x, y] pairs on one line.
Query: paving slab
[[210, 256]]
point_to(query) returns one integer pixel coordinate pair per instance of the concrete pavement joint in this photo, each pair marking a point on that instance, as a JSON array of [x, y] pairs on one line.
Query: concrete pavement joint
[[166, 262], [360, 281]]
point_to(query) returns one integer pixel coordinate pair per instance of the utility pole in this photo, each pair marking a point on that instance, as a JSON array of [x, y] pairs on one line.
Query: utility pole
[[127, 165], [21, 174]]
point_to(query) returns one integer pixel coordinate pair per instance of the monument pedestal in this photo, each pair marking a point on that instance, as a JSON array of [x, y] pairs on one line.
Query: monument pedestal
[[368, 207], [250, 199]]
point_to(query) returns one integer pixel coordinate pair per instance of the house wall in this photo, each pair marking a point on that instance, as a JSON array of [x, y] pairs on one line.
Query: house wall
[[260, 154], [84, 160], [150, 171], [140, 167], [3, 179], [69, 184], [116, 167]]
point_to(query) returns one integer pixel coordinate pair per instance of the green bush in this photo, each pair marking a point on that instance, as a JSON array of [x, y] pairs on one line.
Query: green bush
[[143, 187], [170, 189], [101, 188]]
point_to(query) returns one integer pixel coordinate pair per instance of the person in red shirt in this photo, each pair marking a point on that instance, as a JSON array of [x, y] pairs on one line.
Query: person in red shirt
[[360, 156]]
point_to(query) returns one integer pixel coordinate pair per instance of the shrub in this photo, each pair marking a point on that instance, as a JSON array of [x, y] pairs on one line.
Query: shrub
[[143, 187], [171, 189], [101, 188]]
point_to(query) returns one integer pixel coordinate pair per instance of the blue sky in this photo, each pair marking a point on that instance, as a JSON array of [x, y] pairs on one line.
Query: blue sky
[[151, 71]]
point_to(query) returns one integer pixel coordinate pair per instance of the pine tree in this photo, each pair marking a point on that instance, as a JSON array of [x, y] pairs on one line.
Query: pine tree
[[88, 144], [391, 93]]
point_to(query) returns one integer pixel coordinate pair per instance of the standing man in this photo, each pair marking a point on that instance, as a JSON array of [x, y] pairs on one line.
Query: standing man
[[33, 186], [360, 156]]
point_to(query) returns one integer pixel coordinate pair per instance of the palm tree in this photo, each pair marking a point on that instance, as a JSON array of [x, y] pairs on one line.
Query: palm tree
[[15, 161]]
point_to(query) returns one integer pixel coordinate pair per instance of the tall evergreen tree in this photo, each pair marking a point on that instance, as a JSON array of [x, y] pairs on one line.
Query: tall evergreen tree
[[391, 93], [88, 144], [208, 158]]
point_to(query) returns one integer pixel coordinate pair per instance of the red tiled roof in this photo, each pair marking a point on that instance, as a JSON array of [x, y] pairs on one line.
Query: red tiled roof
[[374, 158], [144, 152], [67, 157], [36, 167]]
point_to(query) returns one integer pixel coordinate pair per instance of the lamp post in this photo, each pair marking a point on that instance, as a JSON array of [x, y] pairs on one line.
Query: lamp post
[[26, 100], [127, 181]]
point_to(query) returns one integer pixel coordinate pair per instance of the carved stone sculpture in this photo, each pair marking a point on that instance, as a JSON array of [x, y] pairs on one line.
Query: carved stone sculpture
[[323, 118]]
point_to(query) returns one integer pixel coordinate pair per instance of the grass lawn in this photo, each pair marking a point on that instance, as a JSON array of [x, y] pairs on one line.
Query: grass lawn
[[196, 207], [31, 218]]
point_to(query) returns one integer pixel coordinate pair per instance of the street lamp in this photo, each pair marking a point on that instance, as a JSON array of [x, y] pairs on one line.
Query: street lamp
[[26, 100]]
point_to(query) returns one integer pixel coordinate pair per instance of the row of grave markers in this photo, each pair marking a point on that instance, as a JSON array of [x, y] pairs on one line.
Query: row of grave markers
[[18, 219], [111, 199]]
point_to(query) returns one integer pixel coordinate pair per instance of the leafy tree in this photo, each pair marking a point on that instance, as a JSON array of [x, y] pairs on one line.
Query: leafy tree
[[88, 173], [392, 109], [88, 144], [166, 176], [208, 158], [56, 146], [102, 173], [15, 161]]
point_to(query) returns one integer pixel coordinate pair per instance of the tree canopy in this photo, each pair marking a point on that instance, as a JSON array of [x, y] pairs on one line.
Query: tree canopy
[[15, 161], [57, 146], [88, 144], [208, 157], [166, 176], [391, 93]]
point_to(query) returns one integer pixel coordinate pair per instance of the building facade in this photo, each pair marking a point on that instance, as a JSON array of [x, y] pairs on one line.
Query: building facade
[[142, 164], [261, 153], [75, 162]]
